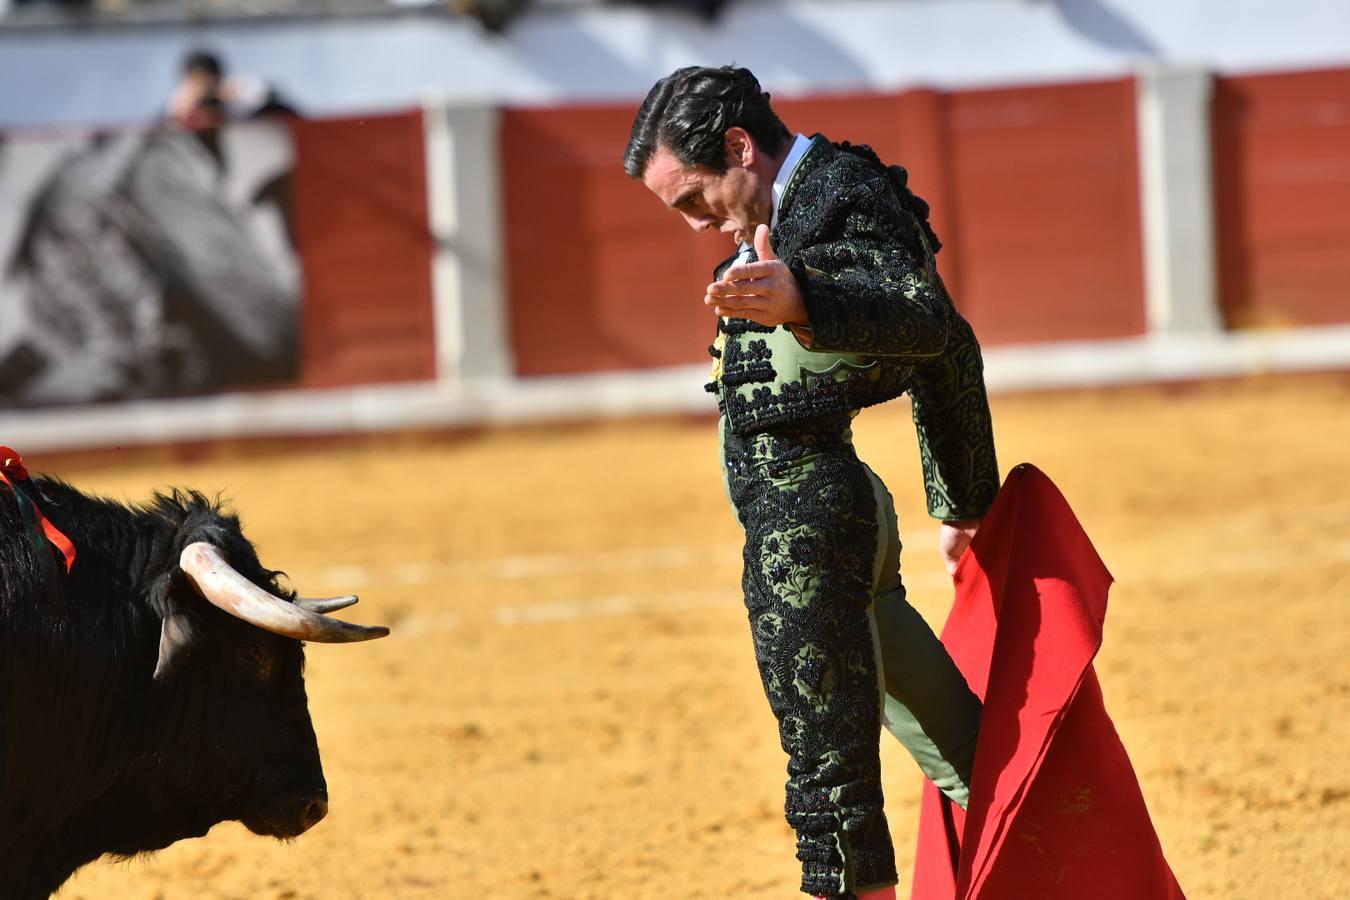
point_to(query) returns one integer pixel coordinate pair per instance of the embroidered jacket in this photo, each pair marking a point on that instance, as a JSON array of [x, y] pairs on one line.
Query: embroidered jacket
[[881, 321]]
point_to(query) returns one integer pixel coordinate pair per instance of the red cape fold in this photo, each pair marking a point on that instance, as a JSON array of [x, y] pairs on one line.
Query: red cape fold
[[1055, 809]]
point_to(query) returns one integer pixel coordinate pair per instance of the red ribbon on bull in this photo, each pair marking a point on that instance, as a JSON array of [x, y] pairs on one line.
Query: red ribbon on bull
[[13, 473]]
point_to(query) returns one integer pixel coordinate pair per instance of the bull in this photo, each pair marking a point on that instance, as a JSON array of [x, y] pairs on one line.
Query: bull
[[152, 690]]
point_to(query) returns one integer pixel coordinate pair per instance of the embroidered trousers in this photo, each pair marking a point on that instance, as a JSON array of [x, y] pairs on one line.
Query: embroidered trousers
[[839, 649]]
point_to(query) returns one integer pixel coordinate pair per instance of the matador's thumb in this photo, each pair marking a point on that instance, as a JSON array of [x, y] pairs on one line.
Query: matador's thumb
[[762, 248]]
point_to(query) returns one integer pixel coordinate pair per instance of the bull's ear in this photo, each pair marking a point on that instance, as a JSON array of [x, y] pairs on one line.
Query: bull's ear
[[175, 642], [177, 635]]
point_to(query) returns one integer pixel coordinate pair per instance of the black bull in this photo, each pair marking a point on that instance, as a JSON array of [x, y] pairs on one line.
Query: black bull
[[138, 706]]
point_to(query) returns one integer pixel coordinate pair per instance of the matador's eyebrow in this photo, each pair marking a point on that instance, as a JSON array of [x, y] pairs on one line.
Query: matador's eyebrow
[[683, 199]]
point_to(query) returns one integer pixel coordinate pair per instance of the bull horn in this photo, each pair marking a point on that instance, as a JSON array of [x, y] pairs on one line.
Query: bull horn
[[326, 604], [222, 586]]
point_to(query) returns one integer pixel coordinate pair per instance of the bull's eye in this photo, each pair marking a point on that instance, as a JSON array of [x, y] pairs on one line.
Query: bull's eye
[[250, 653]]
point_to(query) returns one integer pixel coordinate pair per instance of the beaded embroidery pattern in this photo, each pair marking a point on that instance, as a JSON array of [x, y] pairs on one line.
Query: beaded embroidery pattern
[[865, 262], [859, 245], [810, 521]]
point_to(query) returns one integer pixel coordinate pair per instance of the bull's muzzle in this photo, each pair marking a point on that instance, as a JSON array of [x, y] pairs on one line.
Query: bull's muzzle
[[314, 811], [289, 815]]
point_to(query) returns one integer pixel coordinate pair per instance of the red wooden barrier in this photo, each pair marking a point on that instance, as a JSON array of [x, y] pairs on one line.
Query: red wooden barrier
[[1044, 241], [1034, 190], [1282, 197], [360, 200], [599, 275]]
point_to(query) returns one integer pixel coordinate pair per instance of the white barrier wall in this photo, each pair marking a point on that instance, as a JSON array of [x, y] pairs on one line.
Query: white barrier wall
[[465, 210], [1177, 200]]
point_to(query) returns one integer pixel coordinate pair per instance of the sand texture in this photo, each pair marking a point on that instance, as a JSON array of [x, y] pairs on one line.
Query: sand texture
[[568, 707]]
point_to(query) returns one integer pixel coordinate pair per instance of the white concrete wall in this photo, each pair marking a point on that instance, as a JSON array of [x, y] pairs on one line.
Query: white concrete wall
[[1176, 180], [468, 271], [555, 54]]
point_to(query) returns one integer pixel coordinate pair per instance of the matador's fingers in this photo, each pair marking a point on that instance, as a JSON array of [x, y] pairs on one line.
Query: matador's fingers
[[738, 309], [752, 271], [739, 288]]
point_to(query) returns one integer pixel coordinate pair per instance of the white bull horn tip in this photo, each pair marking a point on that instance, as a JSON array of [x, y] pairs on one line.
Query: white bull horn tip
[[224, 587]]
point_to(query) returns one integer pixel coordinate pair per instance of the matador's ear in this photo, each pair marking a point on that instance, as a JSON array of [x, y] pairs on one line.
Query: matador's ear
[[740, 147]]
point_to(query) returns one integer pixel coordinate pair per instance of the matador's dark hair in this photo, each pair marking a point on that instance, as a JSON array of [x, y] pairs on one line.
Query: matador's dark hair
[[690, 110]]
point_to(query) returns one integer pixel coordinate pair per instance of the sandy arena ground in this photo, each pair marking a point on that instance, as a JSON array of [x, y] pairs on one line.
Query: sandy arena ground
[[568, 706]]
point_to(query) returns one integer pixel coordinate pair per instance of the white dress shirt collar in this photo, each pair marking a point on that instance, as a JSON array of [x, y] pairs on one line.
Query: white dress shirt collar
[[780, 181]]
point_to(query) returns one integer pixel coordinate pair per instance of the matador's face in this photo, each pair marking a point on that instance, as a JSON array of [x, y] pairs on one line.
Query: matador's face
[[732, 202]]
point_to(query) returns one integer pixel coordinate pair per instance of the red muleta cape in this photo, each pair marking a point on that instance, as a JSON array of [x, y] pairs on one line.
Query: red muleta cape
[[1055, 810]]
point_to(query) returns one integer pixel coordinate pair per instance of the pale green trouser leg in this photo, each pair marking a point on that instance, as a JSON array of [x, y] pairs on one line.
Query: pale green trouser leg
[[927, 706]]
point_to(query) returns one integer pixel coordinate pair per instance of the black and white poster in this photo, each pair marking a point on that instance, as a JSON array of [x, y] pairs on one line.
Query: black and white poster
[[155, 263]]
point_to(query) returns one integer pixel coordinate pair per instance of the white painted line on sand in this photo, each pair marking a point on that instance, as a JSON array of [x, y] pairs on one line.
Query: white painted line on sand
[[604, 607], [416, 626], [544, 565], [654, 560], [555, 611], [550, 565]]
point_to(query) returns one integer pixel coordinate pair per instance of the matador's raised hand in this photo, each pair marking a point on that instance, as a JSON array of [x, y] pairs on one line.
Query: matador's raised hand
[[765, 292]]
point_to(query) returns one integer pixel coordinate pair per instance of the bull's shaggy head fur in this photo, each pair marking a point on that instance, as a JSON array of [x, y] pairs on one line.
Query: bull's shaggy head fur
[[133, 713]]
